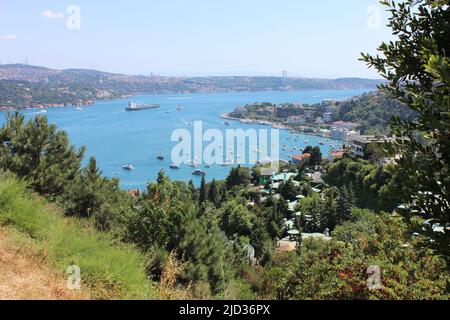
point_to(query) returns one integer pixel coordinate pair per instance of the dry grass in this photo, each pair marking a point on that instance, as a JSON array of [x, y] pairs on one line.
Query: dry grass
[[24, 274]]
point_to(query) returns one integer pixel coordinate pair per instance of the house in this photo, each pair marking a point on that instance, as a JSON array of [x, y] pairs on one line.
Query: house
[[328, 117], [360, 144], [283, 177], [296, 120], [134, 192], [345, 125], [300, 158], [336, 155]]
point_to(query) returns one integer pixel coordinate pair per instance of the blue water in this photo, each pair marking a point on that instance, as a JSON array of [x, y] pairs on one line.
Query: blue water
[[116, 137]]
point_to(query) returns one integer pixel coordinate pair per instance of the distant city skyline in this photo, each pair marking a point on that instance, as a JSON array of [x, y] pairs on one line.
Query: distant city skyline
[[197, 38]]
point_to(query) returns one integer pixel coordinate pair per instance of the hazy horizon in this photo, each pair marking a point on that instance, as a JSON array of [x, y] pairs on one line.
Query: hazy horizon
[[199, 38]]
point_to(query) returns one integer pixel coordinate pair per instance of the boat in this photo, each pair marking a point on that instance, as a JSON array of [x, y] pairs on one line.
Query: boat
[[227, 123], [43, 111], [198, 173], [160, 157], [128, 167], [174, 166], [138, 107], [194, 163], [78, 108], [180, 108]]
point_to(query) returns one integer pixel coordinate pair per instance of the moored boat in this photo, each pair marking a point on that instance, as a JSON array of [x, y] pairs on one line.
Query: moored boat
[[198, 173], [128, 167]]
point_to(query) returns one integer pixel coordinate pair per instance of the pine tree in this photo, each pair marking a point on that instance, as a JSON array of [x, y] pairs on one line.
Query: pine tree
[[202, 197], [214, 194], [39, 152]]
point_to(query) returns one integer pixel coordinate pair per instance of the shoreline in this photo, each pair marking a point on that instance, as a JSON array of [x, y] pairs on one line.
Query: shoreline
[[275, 125]]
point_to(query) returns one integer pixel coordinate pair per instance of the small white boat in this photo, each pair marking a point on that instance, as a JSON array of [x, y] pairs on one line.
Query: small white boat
[[128, 167], [174, 166]]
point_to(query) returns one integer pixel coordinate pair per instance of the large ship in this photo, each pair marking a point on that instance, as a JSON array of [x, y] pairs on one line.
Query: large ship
[[138, 107]]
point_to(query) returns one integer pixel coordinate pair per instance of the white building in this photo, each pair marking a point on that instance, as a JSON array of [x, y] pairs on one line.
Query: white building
[[343, 134], [328, 117], [296, 120]]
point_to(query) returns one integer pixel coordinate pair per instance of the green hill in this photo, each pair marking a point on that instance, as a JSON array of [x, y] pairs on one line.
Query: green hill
[[109, 270]]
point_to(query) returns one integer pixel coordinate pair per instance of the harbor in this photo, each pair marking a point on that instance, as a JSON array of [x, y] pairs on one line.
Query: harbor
[[118, 138]]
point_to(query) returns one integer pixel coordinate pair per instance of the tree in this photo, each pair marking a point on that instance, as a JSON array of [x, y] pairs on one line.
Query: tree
[[417, 67], [202, 197], [289, 191], [214, 194], [39, 152], [236, 220], [239, 176], [316, 155], [87, 194]]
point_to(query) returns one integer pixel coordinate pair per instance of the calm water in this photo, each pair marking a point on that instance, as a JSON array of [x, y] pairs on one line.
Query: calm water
[[116, 137]]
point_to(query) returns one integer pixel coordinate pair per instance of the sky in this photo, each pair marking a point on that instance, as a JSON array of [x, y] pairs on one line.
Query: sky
[[320, 38]]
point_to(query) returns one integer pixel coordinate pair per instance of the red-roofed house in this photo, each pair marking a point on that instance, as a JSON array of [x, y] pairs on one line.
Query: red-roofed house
[[299, 158], [336, 155]]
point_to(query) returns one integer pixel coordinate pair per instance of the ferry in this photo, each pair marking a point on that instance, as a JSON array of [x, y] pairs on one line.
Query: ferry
[[138, 107], [198, 173]]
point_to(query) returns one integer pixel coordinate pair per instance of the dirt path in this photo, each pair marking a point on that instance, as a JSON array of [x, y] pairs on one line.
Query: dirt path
[[24, 277]]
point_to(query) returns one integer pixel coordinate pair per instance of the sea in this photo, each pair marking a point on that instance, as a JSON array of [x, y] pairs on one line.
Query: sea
[[117, 138]]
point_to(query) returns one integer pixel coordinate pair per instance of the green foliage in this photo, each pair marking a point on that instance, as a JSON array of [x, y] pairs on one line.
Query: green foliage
[[239, 176], [372, 185], [373, 111], [37, 151], [289, 191], [417, 68], [338, 269], [316, 156], [236, 220]]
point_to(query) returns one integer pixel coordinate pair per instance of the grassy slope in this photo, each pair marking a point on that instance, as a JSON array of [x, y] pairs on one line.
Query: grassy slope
[[109, 270]]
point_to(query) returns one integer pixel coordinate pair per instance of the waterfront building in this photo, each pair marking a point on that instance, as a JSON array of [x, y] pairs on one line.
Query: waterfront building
[[296, 120], [328, 117]]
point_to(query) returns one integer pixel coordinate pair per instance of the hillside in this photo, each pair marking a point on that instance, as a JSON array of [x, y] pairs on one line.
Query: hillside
[[31, 86], [373, 112], [38, 244], [24, 277]]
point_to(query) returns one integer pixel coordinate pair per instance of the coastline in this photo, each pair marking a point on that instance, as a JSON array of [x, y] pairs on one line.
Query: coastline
[[275, 125]]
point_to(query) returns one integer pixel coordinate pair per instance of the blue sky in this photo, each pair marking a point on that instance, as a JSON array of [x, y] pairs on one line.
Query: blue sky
[[321, 38]]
